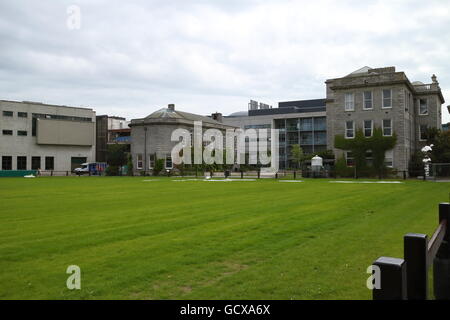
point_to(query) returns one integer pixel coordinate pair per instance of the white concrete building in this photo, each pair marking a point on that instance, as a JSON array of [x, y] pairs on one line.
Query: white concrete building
[[35, 136]]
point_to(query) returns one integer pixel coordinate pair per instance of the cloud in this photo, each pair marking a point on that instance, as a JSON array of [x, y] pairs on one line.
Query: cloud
[[130, 58]]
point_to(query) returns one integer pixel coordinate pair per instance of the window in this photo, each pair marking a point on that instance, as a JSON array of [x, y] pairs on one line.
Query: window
[[368, 128], [349, 129], [7, 132], [423, 107], [369, 157], [349, 158], [387, 127], [139, 164], [368, 105], [35, 163], [151, 162], [21, 163], [169, 162], [7, 113], [33, 126], [306, 124], [306, 138], [6, 163], [320, 138], [22, 114], [21, 133], [49, 163], [387, 98], [349, 102], [320, 124], [389, 158], [423, 132]]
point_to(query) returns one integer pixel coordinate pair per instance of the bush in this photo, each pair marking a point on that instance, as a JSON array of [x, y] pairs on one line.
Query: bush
[[416, 166], [130, 166], [342, 170], [112, 171], [159, 166]]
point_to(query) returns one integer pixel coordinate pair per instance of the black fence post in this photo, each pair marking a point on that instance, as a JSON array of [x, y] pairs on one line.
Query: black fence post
[[392, 279], [441, 263], [444, 214], [276, 175], [415, 255], [259, 173]]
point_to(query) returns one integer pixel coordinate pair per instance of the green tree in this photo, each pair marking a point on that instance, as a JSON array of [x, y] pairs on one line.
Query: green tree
[[441, 146], [117, 155], [159, 166], [297, 154]]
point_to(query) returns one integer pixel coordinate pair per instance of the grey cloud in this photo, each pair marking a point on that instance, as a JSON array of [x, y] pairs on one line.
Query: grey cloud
[[129, 58]]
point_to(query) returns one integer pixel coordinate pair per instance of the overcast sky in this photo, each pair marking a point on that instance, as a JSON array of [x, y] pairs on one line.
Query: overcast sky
[[130, 58]]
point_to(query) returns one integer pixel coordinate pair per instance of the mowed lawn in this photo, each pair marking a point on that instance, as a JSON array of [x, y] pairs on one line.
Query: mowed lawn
[[165, 239]]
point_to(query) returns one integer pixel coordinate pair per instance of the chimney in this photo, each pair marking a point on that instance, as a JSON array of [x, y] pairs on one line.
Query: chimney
[[217, 116], [171, 107], [434, 78]]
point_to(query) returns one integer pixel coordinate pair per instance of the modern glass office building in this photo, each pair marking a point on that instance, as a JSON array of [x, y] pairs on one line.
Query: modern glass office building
[[310, 133], [300, 122]]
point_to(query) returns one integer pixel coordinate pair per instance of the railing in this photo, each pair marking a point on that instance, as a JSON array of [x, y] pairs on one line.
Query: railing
[[407, 279]]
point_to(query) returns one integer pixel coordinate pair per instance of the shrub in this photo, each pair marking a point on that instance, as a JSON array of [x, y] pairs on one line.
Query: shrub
[[159, 165], [112, 171], [342, 170]]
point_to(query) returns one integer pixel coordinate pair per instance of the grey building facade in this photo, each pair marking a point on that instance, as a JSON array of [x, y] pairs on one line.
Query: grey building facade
[[151, 136], [42, 136], [383, 98]]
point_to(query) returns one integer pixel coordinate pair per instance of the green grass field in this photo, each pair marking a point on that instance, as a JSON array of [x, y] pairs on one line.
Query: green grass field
[[161, 239]]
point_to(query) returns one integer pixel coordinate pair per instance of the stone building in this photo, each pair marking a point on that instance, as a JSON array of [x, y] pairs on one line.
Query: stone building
[[151, 136], [48, 137], [383, 98]]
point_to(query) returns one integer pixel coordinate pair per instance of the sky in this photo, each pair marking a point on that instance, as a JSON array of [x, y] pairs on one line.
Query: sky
[[132, 58]]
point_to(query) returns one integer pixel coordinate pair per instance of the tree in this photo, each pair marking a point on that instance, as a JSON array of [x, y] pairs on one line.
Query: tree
[[297, 154], [441, 146], [159, 166], [116, 157]]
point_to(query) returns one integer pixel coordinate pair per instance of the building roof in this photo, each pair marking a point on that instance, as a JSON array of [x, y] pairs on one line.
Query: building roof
[[167, 113], [45, 104], [361, 70], [238, 114], [302, 103], [286, 107]]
